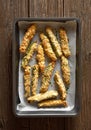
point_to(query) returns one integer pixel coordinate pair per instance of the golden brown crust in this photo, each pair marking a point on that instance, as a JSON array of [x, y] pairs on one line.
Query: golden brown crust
[[27, 81], [53, 103], [40, 58], [47, 47], [27, 37], [34, 79], [64, 43], [40, 97], [46, 77], [65, 70], [29, 54], [60, 85], [54, 42]]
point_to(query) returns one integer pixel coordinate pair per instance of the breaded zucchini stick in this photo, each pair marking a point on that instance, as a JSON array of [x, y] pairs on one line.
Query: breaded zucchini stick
[[60, 85], [65, 70], [40, 58], [54, 42], [47, 47], [27, 38], [34, 79], [53, 103], [27, 81], [29, 54], [46, 77], [64, 43], [40, 97]]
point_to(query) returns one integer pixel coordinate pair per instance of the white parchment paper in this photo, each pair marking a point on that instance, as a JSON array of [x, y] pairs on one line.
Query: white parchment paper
[[70, 26]]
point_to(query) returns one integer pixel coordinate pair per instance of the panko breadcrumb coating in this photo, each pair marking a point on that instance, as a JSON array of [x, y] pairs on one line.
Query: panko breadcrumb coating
[[27, 81], [54, 42], [60, 85], [53, 103], [34, 79], [64, 42], [65, 70], [47, 47], [46, 77], [43, 96], [29, 54], [27, 38], [40, 58]]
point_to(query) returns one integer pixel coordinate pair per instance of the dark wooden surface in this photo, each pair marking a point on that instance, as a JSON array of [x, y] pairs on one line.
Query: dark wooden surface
[[11, 9]]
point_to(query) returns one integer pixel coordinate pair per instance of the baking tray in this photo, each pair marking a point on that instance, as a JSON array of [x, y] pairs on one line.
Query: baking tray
[[15, 69]]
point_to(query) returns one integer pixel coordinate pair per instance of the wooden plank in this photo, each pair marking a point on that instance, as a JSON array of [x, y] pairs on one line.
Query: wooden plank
[[9, 10], [46, 8], [82, 10], [48, 123]]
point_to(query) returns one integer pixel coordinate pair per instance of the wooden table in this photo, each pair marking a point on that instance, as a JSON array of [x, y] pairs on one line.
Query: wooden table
[[11, 9]]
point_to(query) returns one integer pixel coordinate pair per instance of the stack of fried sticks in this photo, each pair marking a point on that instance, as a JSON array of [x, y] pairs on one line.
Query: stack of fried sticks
[[54, 50]]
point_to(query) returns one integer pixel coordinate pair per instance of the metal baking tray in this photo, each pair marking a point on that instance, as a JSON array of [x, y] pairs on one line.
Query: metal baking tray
[[15, 69]]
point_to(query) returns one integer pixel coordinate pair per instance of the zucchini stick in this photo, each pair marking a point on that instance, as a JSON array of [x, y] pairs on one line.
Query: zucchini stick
[[27, 38], [29, 54], [47, 47], [34, 79], [40, 58], [40, 97], [60, 85], [27, 81], [64, 43], [54, 42], [53, 103], [46, 77], [65, 70]]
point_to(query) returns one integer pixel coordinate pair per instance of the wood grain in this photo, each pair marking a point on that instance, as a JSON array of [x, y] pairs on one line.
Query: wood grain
[[82, 10], [11, 9], [46, 8]]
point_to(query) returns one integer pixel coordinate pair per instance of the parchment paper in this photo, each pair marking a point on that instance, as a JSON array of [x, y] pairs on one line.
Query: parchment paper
[[70, 26]]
